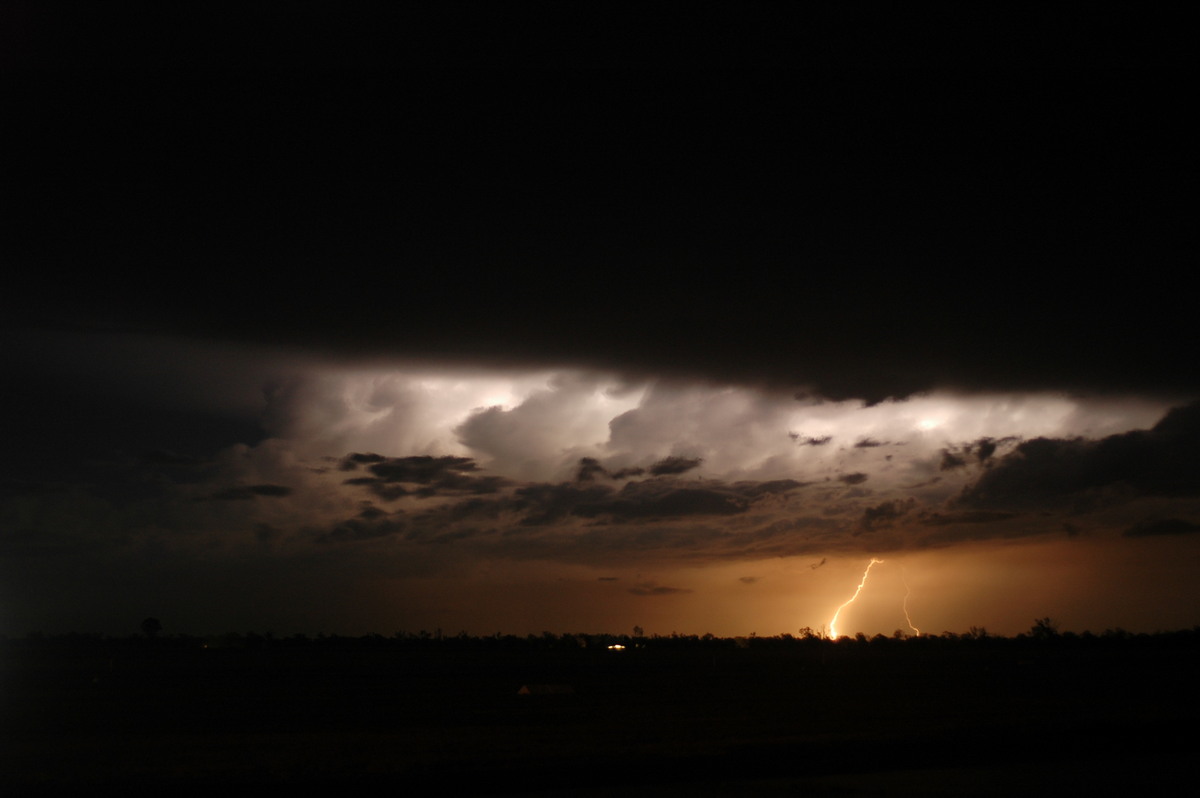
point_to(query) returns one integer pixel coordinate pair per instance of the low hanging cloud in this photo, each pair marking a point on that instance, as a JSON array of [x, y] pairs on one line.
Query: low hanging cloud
[[968, 517], [654, 498], [247, 493], [951, 460], [590, 468], [426, 476], [886, 513], [653, 589], [421, 469], [1166, 526], [674, 465], [808, 440], [977, 451], [1161, 461], [368, 526]]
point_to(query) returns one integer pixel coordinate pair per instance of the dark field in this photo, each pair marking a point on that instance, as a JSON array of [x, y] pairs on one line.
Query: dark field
[[681, 717]]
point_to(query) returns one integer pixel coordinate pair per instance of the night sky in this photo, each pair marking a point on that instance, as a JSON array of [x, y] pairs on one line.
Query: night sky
[[307, 327]]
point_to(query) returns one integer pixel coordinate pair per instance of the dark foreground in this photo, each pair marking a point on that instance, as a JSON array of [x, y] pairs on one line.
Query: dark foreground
[[710, 718]]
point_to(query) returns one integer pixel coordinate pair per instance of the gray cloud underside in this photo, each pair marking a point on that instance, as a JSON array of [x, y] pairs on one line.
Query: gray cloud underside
[[590, 520], [445, 509]]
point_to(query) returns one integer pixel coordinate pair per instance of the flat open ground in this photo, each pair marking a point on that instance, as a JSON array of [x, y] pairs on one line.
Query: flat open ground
[[898, 718]]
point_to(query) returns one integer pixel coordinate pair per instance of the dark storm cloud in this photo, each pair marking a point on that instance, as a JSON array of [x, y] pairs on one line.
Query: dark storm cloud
[[968, 517], [643, 500], [1162, 461], [421, 469], [870, 443], [950, 461], [372, 513], [462, 484], [450, 520], [654, 498], [353, 460], [980, 450], [569, 520], [247, 492], [589, 467], [754, 490], [364, 528], [385, 490], [1166, 526], [806, 440], [674, 465], [544, 504], [857, 478], [652, 589], [886, 514], [435, 476], [371, 523], [985, 448]]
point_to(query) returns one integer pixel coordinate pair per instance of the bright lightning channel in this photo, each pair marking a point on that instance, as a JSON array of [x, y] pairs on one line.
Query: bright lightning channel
[[833, 632], [907, 593]]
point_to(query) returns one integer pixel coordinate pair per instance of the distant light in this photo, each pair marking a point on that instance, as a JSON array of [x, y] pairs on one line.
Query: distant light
[[616, 647]]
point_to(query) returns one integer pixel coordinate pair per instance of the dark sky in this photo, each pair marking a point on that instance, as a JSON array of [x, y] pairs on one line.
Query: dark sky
[[208, 214], [889, 225]]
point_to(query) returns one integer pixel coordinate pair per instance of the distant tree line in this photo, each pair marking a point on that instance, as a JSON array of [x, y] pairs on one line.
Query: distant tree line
[[1043, 632]]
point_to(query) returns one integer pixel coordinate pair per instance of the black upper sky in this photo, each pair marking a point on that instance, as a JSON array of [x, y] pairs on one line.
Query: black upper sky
[[885, 215]]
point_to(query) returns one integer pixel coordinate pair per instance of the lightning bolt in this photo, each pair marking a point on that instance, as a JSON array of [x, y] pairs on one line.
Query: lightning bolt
[[907, 593], [833, 633]]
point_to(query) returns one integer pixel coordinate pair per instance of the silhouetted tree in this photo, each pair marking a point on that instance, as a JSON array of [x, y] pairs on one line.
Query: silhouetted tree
[[1043, 629], [151, 627]]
